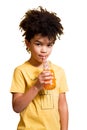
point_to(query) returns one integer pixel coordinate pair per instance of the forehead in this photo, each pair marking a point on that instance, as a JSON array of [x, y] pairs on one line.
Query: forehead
[[43, 39]]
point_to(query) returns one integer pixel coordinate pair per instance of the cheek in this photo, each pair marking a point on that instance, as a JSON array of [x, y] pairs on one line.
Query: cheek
[[50, 50], [35, 50]]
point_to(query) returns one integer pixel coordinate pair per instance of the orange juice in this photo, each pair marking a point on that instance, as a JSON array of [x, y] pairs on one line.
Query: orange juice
[[53, 84], [47, 67]]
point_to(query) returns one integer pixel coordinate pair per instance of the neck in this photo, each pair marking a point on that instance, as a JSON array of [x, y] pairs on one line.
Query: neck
[[35, 63]]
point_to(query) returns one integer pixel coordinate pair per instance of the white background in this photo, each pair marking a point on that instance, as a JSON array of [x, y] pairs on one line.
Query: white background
[[70, 53]]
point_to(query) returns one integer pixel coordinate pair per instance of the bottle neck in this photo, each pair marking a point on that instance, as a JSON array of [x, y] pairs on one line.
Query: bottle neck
[[46, 65]]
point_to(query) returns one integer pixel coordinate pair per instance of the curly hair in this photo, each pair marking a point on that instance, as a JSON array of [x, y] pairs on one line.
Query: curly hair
[[40, 21]]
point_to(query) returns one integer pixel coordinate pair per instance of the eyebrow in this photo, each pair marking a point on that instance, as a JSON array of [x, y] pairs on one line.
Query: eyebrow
[[50, 42]]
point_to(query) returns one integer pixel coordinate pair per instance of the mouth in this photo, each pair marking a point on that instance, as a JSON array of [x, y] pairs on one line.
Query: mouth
[[43, 57]]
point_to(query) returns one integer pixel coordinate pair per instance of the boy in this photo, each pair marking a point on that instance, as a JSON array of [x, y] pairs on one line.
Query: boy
[[39, 108]]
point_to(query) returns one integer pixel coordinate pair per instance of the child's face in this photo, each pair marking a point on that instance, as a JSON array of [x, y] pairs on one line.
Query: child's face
[[40, 47]]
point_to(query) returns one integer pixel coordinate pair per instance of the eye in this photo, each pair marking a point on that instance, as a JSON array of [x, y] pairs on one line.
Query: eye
[[38, 43], [50, 45]]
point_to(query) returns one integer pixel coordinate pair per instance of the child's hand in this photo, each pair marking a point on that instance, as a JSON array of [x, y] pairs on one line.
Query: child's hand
[[45, 77]]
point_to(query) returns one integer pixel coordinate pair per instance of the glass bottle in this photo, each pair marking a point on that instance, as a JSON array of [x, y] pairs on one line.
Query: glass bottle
[[53, 84]]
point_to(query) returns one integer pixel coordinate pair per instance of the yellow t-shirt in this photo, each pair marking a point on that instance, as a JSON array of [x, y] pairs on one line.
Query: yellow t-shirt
[[42, 112]]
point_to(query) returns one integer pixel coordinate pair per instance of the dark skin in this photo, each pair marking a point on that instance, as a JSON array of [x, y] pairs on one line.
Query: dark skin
[[41, 47]]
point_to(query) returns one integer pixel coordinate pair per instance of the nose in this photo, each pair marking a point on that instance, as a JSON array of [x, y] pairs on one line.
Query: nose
[[44, 49]]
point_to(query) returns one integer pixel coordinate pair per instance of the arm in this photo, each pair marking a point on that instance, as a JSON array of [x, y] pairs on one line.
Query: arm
[[63, 111], [21, 100]]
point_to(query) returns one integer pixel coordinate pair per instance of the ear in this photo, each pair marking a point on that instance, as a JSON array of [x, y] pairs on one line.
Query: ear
[[27, 43]]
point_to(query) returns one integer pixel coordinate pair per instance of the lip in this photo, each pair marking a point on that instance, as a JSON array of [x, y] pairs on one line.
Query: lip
[[42, 57]]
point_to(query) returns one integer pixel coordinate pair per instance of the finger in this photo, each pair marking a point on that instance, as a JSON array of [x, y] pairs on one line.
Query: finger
[[48, 82]]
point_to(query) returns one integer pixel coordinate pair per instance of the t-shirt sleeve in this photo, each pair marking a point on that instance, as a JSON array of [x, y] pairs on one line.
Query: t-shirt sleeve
[[18, 82], [63, 82]]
